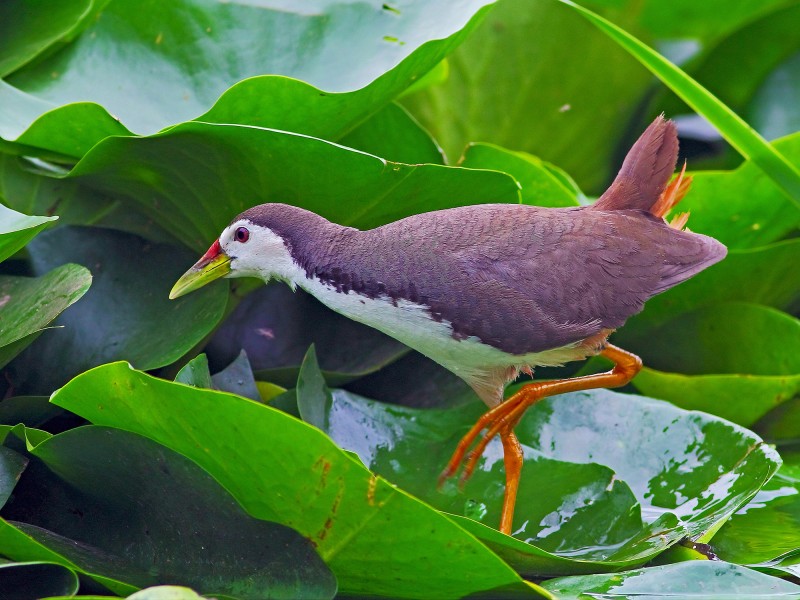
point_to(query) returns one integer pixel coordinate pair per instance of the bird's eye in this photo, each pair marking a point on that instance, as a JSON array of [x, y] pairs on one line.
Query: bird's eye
[[242, 234]]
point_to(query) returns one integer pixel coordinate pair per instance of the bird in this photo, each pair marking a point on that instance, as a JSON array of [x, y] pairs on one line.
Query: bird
[[489, 291]]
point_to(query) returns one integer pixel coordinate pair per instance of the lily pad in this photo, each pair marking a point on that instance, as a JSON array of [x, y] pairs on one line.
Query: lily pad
[[699, 361], [276, 326], [180, 526], [665, 474], [335, 47], [238, 378], [692, 580], [126, 314], [351, 515], [765, 533], [28, 305], [195, 177]]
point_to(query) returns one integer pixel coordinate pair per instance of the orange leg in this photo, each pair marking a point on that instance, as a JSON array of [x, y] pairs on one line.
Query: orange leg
[[504, 417]]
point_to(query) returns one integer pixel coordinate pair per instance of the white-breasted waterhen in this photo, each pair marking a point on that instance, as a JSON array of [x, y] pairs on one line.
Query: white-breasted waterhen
[[490, 290]]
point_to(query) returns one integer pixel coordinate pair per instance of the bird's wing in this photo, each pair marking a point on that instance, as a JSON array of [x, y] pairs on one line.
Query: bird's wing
[[532, 279]]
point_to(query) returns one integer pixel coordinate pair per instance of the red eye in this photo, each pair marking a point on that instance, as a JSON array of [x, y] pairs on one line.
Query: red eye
[[242, 234]]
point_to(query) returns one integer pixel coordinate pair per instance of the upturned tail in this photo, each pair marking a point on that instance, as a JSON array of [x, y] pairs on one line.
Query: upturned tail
[[642, 182]]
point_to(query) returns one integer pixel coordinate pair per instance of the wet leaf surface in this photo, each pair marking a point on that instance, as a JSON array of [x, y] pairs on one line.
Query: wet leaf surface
[[353, 517], [695, 580], [626, 476]]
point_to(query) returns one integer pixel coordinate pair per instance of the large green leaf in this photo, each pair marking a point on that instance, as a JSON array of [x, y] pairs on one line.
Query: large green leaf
[[693, 580], [126, 314], [376, 539], [36, 580], [732, 127], [515, 83], [30, 28], [17, 229], [275, 326], [708, 359], [153, 64], [765, 533], [541, 184], [196, 177], [625, 476], [28, 305], [120, 506]]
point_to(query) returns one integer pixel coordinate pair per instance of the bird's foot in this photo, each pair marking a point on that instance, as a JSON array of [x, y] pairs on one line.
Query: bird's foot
[[499, 420]]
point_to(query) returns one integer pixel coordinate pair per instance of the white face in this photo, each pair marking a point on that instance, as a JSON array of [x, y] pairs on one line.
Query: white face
[[257, 251]]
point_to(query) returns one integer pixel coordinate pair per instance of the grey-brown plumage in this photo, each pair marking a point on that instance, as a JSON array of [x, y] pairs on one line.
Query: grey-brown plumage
[[521, 279]]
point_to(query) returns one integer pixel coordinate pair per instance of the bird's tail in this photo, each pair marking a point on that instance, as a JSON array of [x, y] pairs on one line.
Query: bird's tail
[[641, 183]]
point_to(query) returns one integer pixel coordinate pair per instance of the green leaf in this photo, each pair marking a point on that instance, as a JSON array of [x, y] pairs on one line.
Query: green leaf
[[732, 127], [334, 47], [126, 314], [238, 378], [626, 476], [699, 361], [392, 133], [692, 580], [36, 580], [12, 465], [32, 411], [16, 230], [195, 373], [120, 506], [28, 305], [29, 29], [539, 186], [275, 326], [507, 86], [195, 177], [303, 480], [765, 533]]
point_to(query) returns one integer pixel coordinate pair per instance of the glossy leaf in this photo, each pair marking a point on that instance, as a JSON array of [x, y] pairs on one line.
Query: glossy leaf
[[195, 373], [508, 86], [539, 186], [31, 411], [195, 177], [126, 314], [732, 127], [180, 525], [29, 29], [17, 229], [773, 110], [275, 326], [28, 305], [699, 361], [334, 47], [36, 580], [392, 133], [281, 469], [692, 580], [665, 473]]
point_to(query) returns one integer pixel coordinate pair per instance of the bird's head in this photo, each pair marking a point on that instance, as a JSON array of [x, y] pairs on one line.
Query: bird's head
[[243, 249]]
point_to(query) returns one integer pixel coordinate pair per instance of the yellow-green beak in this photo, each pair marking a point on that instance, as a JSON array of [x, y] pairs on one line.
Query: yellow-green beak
[[213, 265]]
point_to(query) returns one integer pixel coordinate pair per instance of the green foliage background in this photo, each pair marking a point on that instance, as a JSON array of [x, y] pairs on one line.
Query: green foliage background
[[245, 441]]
